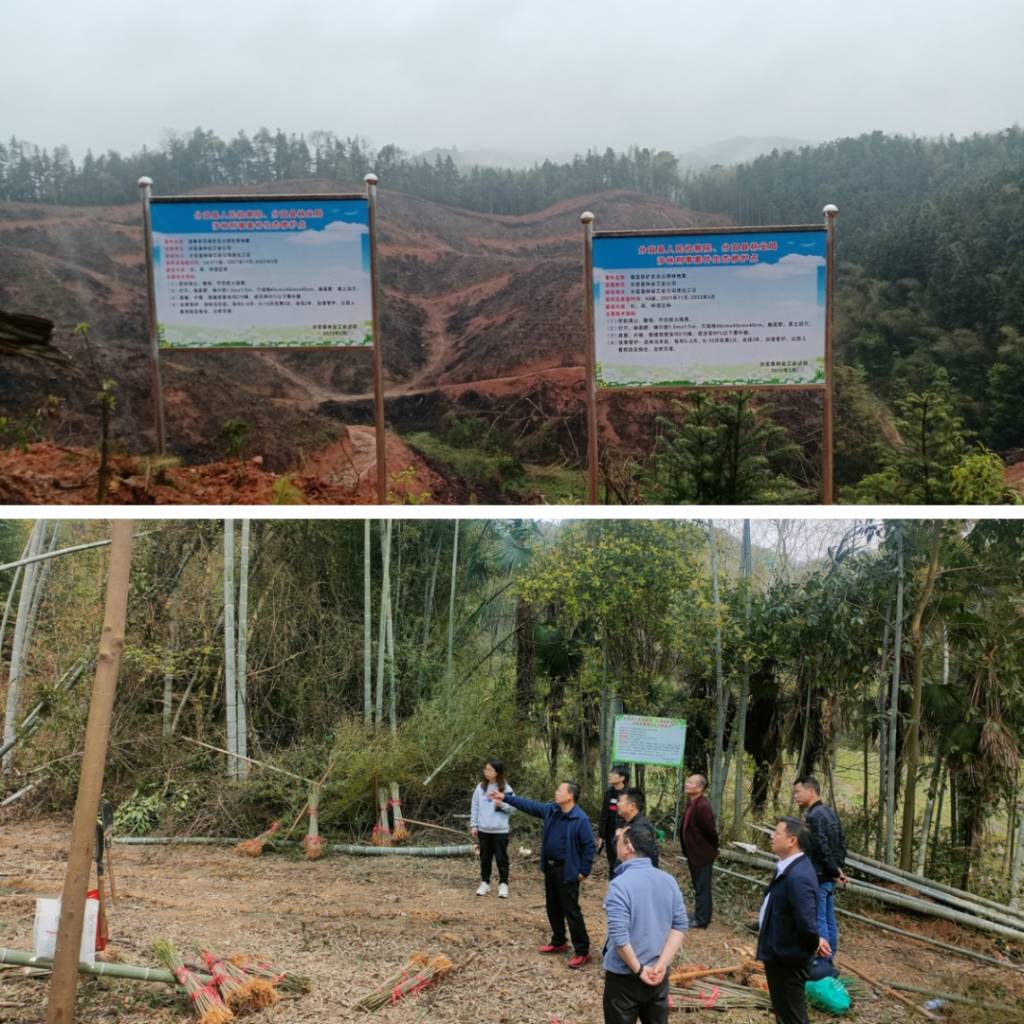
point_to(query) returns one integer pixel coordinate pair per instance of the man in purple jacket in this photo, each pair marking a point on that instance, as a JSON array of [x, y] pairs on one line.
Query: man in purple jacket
[[646, 925], [699, 840]]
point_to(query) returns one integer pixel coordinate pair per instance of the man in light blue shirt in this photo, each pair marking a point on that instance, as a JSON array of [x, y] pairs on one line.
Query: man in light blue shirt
[[646, 925]]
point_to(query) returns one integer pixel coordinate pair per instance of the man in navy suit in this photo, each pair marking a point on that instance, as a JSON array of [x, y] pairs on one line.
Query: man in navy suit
[[788, 936]]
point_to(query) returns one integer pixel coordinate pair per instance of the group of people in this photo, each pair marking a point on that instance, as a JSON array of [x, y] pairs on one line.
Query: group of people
[[646, 916]]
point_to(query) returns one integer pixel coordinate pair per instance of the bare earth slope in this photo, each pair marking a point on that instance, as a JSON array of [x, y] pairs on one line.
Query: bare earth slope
[[469, 298]]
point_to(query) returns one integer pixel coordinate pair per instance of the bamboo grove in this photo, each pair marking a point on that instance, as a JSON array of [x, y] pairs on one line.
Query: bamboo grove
[[883, 656]]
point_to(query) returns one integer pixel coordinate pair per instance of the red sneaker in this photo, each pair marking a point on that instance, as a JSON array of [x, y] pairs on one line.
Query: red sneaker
[[579, 961], [552, 948]]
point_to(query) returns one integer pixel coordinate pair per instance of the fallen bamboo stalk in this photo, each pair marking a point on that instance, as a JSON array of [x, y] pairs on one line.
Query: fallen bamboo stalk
[[924, 885], [250, 760], [767, 861], [440, 828], [956, 902], [22, 959], [910, 877], [875, 983], [407, 851], [948, 946], [675, 978], [952, 997]]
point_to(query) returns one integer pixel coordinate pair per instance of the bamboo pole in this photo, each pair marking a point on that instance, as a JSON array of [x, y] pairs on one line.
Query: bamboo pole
[[675, 978], [896, 899], [18, 644], [406, 851], [952, 997], [961, 950], [20, 958], [61, 1004], [241, 686], [894, 700], [230, 662], [251, 760], [915, 880], [875, 983]]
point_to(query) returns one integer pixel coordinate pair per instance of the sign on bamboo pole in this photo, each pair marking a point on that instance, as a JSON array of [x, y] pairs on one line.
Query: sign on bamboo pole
[[63, 982]]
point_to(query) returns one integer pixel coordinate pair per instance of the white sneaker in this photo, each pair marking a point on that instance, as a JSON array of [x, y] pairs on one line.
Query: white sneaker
[[503, 891], [483, 890]]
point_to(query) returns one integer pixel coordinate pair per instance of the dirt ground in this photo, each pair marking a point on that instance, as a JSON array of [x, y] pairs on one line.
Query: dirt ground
[[348, 921]]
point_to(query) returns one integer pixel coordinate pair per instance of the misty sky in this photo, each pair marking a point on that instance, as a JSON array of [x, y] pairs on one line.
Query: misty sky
[[527, 76]]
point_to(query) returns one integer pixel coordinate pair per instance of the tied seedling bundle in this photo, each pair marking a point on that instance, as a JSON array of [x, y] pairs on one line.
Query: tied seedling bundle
[[400, 834], [254, 847], [204, 998], [269, 971], [382, 832], [421, 972], [239, 991], [314, 847]]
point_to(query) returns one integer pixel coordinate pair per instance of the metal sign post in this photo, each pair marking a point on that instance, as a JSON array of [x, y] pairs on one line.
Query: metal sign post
[[830, 212], [378, 355], [63, 982], [154, 341], [587, 220]]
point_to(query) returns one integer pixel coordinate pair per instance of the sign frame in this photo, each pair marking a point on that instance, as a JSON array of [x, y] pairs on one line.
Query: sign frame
[[826, 388], [624, 754], [291, 200], [370, 198]]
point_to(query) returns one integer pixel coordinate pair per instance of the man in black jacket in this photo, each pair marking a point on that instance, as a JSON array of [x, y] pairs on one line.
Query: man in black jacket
[[632, 804], [827, 852], [788, 936], [611, 822]]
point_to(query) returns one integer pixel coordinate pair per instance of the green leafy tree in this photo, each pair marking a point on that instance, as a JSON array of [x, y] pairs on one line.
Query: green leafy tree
[[918, 470], [979, 478], [722, 452]]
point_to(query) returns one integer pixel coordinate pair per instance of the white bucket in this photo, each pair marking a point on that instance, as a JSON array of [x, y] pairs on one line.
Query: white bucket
[[47, 921]]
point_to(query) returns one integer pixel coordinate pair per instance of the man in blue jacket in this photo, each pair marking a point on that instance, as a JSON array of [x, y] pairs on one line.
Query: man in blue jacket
[[567, 851], [788, 936], [646, 925]]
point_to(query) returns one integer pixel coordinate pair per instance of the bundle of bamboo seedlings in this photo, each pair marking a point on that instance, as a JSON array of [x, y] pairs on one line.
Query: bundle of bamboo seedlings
[[204, 998], [240, 992], [269, 971], [312, 843], [382, 832], [254, 847], [400, 833], [720, 996], [419, 972]]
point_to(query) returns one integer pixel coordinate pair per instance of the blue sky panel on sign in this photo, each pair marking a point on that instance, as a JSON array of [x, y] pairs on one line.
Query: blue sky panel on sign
[[256, 274], [744, 308]]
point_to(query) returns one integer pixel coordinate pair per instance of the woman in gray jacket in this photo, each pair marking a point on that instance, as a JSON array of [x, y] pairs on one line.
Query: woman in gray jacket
[[488, 824]]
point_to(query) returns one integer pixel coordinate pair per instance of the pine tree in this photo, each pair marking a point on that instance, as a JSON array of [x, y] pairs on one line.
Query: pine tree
[[722, 454]]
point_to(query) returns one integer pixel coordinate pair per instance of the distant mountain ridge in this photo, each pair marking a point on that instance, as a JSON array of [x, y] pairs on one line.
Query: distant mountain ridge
[[728, 151]]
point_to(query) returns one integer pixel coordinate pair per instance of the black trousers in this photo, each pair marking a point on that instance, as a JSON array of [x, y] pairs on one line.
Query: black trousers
[[627, 999], [562, 902], [493, 845], [701, 878], [786, 987], [611, 853]]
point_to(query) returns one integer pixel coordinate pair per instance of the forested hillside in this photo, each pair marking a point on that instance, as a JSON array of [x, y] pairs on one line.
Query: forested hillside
[[929, 323], [412, 650]]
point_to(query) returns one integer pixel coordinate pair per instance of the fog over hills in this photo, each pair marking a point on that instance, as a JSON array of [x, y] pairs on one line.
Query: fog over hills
[[728, 151]]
